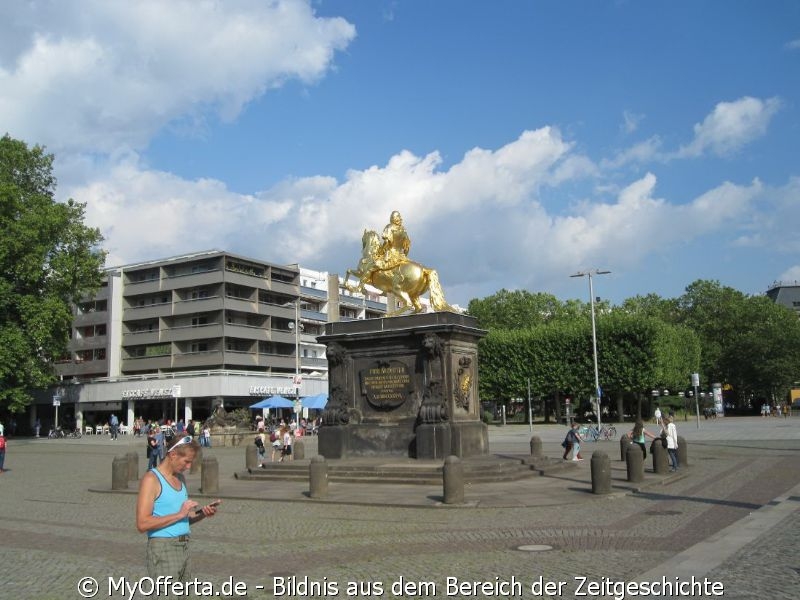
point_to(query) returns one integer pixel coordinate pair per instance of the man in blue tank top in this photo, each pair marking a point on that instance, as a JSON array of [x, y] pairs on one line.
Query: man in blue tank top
[[165, 512]]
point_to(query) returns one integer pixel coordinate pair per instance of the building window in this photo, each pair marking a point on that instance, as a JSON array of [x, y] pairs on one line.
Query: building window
[[199, 321], [199, 347]]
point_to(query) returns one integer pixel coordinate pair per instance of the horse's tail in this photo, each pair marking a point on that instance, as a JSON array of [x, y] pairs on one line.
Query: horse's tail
[[437, 293]]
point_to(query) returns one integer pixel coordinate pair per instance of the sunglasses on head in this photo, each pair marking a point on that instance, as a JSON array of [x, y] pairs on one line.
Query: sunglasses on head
[[184, 440]]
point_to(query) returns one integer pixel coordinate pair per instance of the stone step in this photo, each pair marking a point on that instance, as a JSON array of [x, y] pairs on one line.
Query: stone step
[[480, 470]]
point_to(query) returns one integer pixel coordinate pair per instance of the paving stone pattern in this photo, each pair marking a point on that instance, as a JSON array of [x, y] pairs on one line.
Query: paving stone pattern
[[54, 530]]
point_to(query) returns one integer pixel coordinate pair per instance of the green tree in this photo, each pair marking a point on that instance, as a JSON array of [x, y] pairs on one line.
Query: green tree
[[520, 309], [48, 260]]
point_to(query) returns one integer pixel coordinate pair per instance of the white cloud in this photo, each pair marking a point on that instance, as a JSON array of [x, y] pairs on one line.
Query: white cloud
[[481, 223], [91, 75], [630, 121], [793, 45], [640, 153], [790, 275], [730, 126]]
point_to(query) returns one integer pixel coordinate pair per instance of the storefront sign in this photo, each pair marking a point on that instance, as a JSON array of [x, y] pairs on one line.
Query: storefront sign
[[270, 390], [149, 393]]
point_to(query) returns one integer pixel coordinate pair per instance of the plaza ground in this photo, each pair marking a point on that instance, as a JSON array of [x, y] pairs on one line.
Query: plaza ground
[[733, 516]]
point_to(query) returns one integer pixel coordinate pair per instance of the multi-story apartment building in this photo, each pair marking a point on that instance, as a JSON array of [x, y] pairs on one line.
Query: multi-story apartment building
[[174, 338], [786, 293]]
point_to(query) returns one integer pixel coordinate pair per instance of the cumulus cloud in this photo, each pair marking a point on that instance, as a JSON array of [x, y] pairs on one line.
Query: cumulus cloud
[[792, 274], [730, 126], [482, 223], [639, 153], [793, 45], [90, 75]]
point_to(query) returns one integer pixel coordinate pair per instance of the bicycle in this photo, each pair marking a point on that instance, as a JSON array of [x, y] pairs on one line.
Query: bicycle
[[607, 432], [58, 433]]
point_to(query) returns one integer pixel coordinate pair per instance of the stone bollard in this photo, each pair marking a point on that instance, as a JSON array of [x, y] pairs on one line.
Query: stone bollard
[[133, 466], [209, 477], [318, 477], [251, 457], [536, 447], [624, 442], [683, 452], [197, 462], [453, 479], [634, 460], [298, 450], [660, 457], [601, 472], [119, 473]]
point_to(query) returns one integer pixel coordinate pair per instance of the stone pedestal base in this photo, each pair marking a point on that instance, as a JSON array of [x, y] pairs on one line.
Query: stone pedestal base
[[404, 387], [434, 441], [367, 439]]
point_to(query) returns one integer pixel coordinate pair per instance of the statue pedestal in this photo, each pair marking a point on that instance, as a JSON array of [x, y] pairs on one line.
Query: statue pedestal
[[404, 387]]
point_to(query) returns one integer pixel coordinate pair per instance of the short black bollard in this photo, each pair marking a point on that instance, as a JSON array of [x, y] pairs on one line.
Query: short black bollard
[[119, 473], [660, 457], [453, 479], [133, 466], [683, 452], [634, 461], [318, 477], [601, 472], [298, 450], [251, 457], [197, 462], [209, 477], [624, 442], [536, 447]]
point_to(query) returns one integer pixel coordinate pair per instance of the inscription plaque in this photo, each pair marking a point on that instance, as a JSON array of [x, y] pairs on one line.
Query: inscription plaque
[[386, 385]]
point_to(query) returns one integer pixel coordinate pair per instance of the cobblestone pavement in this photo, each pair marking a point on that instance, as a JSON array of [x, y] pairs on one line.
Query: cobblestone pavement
[[738, 498]]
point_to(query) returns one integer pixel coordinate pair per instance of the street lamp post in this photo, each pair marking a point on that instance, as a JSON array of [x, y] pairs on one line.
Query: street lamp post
[[298, 327], [598, 392]]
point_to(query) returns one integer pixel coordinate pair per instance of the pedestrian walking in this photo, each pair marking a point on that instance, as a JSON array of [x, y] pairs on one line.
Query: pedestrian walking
[[114, 423], [2, 453], [672, 442], [572, 442], [37, 426]]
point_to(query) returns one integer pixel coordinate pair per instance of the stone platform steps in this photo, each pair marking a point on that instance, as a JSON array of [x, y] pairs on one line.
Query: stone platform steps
[[484, 469]]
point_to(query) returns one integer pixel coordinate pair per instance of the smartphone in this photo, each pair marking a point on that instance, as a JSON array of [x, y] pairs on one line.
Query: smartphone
[[199, 511]]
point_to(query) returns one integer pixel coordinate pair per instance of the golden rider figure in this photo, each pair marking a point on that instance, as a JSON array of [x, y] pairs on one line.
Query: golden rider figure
[[396, 244]]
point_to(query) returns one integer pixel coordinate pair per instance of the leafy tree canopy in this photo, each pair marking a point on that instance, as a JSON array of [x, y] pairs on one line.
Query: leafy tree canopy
[[48, 260]]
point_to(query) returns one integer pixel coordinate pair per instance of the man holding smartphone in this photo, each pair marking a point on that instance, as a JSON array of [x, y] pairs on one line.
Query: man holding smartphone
[[165, 513]]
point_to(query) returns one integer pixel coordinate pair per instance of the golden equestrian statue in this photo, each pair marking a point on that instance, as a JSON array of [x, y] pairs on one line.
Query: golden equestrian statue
[[385, 265]]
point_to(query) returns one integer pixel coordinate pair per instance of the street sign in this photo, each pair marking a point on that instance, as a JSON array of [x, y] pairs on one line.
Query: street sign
[[695, 379], [56, 400]]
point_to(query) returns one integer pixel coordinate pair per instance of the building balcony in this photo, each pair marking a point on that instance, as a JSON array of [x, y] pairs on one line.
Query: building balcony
[[140, 338], [187, 334], [233, 358], [146, 363], [246, 332], [152, 311], [210, 359], [90, 318], [197, 305], [138, 288], [191, 280], [277, 361], [280, 287], [241, 304], [87, 343]]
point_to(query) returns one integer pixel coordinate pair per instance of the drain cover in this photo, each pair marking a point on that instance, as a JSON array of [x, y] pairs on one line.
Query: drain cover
[[534, 548], [663, 513]]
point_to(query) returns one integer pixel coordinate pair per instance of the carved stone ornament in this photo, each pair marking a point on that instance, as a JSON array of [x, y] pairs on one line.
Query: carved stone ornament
[[463, 382], [335, 412]]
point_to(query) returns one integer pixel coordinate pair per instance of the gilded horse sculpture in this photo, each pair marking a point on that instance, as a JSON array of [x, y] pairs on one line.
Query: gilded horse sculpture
[[385, 265]]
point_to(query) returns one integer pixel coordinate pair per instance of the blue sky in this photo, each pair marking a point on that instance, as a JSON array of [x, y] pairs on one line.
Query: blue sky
[[522, 141]]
